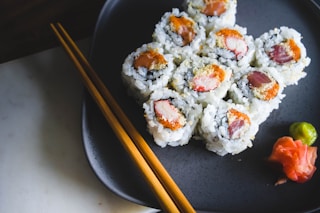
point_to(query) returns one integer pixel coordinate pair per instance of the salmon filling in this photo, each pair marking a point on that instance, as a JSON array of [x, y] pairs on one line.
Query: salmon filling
[[168, 115], [207, 78], [183, 27], [238, 123], [214, 7], [151, 60]]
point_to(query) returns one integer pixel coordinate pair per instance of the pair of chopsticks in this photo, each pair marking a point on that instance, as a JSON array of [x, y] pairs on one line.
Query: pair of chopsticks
[[170, 197]]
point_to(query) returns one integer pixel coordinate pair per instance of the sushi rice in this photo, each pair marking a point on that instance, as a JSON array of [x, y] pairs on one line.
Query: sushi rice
[[201, 12], [180, 35], [141, 80], [210, 80], [226, 134], [188, 110], [260, 90], [203, 78], [231, 46], [291, 68]]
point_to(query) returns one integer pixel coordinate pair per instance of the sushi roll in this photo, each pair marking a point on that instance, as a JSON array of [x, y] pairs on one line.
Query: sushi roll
[[146, 69], [179, 33], [205, 79], [282, 48], [171, 118], [260, 89], [231, 46], [212, 13], [227, 128]]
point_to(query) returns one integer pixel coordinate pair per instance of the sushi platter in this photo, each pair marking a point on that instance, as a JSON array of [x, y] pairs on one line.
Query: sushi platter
[[215, 174]]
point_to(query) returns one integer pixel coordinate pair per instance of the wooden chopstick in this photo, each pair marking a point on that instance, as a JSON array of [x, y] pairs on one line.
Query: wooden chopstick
[[163, 197], [139, 141], [160, 181]]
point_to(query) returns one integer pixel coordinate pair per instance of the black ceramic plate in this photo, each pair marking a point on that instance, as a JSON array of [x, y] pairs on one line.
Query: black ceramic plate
[[240, 183]]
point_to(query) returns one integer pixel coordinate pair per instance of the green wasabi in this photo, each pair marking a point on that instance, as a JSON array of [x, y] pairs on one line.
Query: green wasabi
[[303, 131]]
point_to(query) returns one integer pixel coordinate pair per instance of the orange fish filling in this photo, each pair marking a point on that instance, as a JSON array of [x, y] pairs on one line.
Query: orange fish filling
[[214, 7], [267, 91], [272, 92], [150, 59], [234, 114], [226, 32], [295, 50], [183, 27]]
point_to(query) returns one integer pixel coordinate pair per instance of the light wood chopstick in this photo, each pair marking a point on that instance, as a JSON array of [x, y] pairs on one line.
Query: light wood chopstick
[[168, 193]]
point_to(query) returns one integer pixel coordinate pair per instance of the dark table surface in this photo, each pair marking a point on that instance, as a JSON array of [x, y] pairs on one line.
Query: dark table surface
[[25, 24]]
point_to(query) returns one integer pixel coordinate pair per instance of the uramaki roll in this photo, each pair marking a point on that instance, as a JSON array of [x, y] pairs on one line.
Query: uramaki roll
[[179, 33], [171, 118], [146, 69], [227, 128], [282, 48]]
